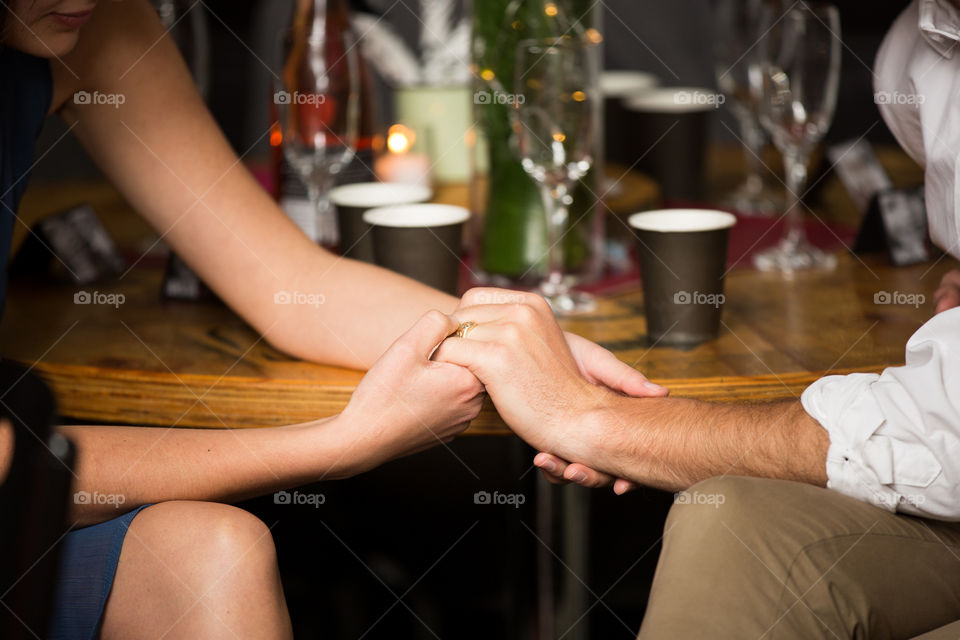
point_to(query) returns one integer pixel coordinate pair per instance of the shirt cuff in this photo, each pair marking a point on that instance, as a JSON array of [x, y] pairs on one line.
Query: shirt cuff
[[845, 407]]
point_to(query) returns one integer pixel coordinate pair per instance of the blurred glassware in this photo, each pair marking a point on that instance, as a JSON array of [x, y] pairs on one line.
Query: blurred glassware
[[616, 87], [317, 102], [556, 110], [187, 24], [795, 82], [509, 224], [736, 35]]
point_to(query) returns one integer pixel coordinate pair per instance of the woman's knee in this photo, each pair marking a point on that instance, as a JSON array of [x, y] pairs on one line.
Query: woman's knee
[[210, 568], [205, 538]]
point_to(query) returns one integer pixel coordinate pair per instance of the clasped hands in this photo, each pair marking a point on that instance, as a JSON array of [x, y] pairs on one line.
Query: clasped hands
[[554, 389]]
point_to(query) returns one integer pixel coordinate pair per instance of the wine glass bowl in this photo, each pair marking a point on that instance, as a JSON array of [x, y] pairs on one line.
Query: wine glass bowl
[[735, 32], [555, 116], [317, 101], [795, 82]]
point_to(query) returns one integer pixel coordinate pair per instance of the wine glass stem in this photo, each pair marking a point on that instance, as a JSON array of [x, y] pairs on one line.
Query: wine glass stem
[[318, 190], [555, 206], [795, 167], [752, 146]]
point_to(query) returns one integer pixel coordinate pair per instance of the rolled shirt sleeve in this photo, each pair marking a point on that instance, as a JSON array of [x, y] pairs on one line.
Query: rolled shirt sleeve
[[895, 437]]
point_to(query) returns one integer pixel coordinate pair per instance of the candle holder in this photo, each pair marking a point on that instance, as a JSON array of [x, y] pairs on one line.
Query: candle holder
[[404, 160]]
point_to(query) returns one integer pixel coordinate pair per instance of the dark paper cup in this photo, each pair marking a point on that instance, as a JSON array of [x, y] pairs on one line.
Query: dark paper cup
[[617, 87], [422, 241], [683, 259], [353, 200], [667, 136]]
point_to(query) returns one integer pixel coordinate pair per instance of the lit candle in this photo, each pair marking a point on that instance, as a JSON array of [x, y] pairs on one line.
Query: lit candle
[[399, 163]]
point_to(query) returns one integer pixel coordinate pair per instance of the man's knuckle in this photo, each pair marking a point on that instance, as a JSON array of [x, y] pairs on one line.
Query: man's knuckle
[[437, 318], [512, 332], [494, 351], [473, 296], [537, 302]]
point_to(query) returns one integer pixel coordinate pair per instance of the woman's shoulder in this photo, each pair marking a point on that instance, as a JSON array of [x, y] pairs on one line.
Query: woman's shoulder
[[118, 34]]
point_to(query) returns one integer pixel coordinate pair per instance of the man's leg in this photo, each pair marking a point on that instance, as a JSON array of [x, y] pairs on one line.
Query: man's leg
[[751, 558], [949, 632], [196, 570]]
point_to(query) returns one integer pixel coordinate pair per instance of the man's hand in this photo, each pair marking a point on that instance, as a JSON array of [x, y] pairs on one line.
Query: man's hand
[[599, 366], [947, 295], [559, 471], [544, 389], [406, 402]]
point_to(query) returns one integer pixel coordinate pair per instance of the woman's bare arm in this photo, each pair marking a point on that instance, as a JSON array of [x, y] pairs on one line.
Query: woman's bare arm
[[165, 153], [167, 156], [405, 403]]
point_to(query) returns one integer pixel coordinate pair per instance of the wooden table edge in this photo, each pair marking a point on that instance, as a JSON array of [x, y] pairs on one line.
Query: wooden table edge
[[188, 400]]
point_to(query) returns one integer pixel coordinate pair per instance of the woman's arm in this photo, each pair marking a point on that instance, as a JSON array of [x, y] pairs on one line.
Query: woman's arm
[[165, 153], [131, 466], [405, 403]]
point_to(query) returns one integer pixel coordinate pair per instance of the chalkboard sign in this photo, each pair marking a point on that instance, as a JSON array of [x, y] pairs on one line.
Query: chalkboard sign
[[896, 222], [71, 245]]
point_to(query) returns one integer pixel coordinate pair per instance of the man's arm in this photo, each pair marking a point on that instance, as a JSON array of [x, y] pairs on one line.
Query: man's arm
[[947, 295], [519, 353], [671, 443]]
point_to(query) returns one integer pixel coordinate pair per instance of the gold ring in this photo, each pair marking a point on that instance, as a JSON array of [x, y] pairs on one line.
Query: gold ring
[[465, 328]]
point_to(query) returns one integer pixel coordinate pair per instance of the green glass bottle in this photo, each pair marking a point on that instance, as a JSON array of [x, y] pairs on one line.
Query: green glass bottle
[[514, 243]]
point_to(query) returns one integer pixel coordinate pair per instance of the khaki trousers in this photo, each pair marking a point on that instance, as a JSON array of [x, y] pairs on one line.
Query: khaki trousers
[[749, 558]]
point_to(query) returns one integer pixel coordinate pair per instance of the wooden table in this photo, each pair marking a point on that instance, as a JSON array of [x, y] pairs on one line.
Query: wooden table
[[157, 362], [154, 362]]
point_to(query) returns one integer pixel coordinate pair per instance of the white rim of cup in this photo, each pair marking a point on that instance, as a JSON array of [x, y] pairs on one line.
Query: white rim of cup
[[624, 84], [682, 220], [379, 194], [416, 215], [669, 100]]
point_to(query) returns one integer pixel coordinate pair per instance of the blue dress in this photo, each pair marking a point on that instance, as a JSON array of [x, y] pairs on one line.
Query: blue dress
[[89, 556]]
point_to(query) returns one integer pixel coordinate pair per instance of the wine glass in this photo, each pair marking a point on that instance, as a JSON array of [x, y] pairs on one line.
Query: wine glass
[[735, 35], [188, 26], [796, 82], [555, 109], [317, 102]]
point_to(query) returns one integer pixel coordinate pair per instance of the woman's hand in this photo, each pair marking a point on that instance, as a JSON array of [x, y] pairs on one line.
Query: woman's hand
[[947, 295], [406, 402]]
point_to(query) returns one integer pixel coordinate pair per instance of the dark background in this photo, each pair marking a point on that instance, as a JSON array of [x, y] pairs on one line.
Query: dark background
[[380, 533], [670, 39]]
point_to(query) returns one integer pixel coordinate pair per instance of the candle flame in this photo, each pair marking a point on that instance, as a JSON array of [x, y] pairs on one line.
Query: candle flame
[[276, 135], [400, 138]]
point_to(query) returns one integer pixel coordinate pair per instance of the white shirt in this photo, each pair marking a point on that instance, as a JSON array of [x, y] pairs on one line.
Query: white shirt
[[895, 437]]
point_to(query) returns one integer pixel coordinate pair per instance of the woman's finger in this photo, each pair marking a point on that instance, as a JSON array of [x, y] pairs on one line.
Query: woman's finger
[[587, 477]]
